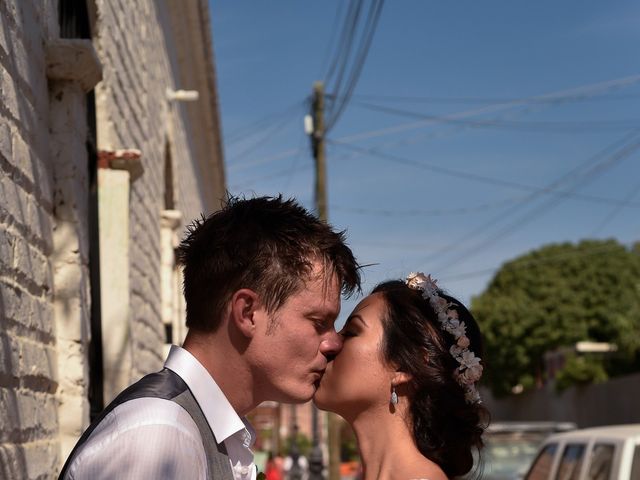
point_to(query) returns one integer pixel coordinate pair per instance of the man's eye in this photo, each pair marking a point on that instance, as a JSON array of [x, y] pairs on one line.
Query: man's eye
[[319, 324]]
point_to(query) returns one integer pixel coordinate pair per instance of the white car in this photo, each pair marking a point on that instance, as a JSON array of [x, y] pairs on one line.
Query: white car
[[600, 453], [509, 448]]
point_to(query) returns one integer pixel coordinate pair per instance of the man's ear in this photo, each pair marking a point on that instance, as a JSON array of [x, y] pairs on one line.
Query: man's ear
[[244, 304]]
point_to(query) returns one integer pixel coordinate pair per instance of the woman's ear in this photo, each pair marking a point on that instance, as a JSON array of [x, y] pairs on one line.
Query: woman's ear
[[244, 304], [400, 378]]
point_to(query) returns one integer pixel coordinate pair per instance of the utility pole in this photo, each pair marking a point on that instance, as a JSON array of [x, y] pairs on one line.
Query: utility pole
[[318, 149], [295, 472]]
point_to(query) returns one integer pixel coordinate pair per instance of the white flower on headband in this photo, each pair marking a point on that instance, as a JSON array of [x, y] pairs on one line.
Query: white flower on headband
[[455, 327], [470, 369], [469, 359], [471, 395]]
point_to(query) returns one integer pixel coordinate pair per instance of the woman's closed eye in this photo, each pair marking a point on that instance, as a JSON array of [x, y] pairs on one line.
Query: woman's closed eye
[[345, 333]]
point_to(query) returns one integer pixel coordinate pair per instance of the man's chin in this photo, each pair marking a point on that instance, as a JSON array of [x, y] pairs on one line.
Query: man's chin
[[301, 396]]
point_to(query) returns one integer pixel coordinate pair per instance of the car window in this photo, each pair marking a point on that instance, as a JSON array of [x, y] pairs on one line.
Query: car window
[[571, 461], [601, 462], [635, 466], [541, 468], [508, 456]]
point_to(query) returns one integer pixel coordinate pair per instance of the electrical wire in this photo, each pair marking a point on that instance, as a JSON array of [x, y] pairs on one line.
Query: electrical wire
[[483, 207], [346, 43], [547, 126], [330, 46], [584, 90], [267, 135], [270, 176], [615, 211], [627, 149], [369, 29], [255, 127], [554, 97], [458, 174], [293, 168], [606, 97], [526, 264]]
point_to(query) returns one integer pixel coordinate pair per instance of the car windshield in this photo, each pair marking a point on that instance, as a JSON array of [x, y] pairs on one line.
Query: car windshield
[[507, 456]]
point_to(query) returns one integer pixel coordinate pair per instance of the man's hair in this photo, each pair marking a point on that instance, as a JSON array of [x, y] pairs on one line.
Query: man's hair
[[265, 244]]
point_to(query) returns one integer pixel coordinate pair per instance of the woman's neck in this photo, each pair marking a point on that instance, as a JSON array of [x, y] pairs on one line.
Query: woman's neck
[[387, 447]]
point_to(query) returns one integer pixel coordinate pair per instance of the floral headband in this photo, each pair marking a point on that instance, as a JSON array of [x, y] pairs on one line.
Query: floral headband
[[470, 369]]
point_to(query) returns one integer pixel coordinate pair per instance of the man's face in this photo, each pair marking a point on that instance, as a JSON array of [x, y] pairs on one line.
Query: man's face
[[289, 356]]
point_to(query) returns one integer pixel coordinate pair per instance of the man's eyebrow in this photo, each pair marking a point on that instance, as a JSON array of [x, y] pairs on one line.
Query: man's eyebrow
[[322, 314], [355, 316]]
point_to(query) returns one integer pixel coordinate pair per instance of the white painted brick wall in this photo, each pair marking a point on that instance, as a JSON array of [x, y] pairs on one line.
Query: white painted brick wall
[[135, 114], [28, 418], [37, 399]]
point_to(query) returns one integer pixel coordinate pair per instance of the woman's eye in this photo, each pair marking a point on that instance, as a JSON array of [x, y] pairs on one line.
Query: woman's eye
[[347, 333]]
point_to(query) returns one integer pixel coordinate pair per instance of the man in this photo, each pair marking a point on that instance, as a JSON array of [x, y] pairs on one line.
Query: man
[[262, 284]]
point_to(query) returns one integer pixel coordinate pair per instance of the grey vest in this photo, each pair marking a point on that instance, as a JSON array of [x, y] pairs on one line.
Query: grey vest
[[169, 386]]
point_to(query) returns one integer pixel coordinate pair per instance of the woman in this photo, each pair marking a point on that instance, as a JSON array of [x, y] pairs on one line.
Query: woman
[[405, 381]]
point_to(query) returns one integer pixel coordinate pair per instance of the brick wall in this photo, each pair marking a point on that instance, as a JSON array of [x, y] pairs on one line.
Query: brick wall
[[44, 284], [28, 379], [139, 65]]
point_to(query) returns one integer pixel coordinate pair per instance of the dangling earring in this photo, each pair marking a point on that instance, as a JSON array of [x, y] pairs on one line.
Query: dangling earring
[[394, 395]]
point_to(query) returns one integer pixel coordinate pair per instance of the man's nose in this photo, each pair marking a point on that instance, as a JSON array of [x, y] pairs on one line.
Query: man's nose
[[331, 345]]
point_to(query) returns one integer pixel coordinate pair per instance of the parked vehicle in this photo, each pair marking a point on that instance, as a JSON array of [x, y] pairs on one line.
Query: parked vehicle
[[600, 453], [511, 446]]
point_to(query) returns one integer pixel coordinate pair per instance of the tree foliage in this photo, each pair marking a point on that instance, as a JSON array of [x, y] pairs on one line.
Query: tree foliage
[[550, 299]]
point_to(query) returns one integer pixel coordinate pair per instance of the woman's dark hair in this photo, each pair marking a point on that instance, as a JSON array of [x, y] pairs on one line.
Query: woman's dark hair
[[266, 244], [446, 428]]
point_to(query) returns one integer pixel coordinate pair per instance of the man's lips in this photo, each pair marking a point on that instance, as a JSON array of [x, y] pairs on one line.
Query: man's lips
[[318, 374]]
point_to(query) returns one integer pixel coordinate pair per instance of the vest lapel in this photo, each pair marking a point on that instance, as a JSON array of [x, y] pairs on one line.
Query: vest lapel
[[217, 458]]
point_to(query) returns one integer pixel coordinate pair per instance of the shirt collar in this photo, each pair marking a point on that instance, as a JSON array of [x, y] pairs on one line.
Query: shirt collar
[[222, 418]]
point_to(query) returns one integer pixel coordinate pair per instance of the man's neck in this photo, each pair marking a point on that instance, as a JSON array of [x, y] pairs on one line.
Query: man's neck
[[226, 367]]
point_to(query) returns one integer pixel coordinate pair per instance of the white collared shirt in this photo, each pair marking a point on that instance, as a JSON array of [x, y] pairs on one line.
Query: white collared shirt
[[157, 438]]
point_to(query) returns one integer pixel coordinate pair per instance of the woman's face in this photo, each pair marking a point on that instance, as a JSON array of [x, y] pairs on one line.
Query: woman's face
[[358, 378]]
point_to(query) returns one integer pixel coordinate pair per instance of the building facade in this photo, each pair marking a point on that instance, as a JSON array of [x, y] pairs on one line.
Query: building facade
[[106, 152]]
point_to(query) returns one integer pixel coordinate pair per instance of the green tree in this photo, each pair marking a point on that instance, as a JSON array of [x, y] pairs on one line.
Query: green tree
[[552, 298]]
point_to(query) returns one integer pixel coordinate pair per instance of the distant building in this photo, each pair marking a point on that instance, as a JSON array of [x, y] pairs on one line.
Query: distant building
[[102, 162]]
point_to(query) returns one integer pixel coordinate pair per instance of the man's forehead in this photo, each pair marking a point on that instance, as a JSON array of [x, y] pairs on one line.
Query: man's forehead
[[324, 279], [321, 290]]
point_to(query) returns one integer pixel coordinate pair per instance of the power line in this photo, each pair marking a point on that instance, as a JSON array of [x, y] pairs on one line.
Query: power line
[[270, 176], [266, 137], [349, 61], [547, 126], [269, 159], [491, 100], [431, 212], [628, 148], [610, 216], [591, 89], [345, 43], [526, 264], [332, 36], [294, 167], [365, 44], [458, 174], [255, 127], [553, 97], [613, 154]]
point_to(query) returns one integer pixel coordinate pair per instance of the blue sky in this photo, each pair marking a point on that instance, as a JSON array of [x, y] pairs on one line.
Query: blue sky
[[472, 63]]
